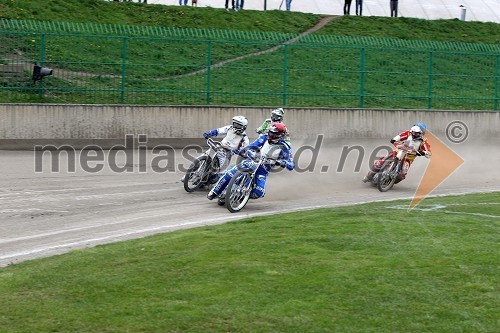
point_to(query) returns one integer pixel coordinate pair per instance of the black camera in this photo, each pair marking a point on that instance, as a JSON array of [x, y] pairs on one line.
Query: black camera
[[40, 72]]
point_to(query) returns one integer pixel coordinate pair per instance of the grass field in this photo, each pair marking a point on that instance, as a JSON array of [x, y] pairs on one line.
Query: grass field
[[99, 67], [368, 268], [133, 13]]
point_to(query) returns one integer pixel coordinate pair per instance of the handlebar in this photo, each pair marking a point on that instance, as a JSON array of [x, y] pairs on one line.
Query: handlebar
[[262, 159], [213, 144], [405, 148]]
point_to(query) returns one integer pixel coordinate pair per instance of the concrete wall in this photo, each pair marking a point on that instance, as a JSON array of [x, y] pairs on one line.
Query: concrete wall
[[24, 125]]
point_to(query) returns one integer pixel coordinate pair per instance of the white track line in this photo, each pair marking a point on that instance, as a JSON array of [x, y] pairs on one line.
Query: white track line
[[232, 217]]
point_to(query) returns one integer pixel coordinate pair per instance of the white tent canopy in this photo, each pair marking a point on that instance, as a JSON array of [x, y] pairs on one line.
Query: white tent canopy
[[476, 10]]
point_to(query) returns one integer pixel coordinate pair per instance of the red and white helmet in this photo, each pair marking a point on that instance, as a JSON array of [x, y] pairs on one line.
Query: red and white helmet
[[276, 132]]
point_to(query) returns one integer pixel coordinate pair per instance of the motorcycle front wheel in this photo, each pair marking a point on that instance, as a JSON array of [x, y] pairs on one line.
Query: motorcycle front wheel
[[385, 181], [238, 191], [196, 175]]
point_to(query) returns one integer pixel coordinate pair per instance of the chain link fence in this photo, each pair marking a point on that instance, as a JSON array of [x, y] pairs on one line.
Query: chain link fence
[[102, 64]]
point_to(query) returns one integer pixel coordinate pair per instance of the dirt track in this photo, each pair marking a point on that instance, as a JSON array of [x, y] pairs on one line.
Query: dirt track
[[47, 213]]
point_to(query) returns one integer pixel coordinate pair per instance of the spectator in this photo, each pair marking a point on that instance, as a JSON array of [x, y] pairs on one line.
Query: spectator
[[239, 4], [288, 4], [185, 2], [359, 7], [347, 7], [394, 8], [227, 4], [194, 3]]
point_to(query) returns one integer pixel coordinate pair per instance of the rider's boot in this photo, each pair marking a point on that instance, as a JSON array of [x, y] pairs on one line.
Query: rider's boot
[[211, 195], [368, 177]]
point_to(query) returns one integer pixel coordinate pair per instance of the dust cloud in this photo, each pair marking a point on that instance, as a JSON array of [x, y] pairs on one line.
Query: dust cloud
[[340, 166]]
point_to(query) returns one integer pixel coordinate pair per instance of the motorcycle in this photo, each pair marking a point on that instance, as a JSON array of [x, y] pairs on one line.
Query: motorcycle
[[391, 171], [237, 192], [202, 170]]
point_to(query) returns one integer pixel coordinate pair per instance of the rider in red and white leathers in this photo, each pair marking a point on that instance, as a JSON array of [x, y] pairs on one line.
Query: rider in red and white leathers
[[414, 138], [272, 145]]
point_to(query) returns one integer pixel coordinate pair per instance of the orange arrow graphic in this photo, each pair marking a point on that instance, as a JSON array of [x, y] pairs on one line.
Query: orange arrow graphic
[[444, 162]]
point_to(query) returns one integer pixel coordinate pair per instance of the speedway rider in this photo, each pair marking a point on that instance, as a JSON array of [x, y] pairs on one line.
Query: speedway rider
[[235, 138], [277, 116], [272, 145], [414, 137]]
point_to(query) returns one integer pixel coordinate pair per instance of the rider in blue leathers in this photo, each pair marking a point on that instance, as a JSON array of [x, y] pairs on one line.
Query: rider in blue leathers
[[272, 145]]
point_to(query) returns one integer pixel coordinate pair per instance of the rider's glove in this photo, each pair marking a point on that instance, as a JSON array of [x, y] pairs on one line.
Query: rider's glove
[[281, 163], [392, 141], [209, 134], [427, 154], [258, 131], [287, 164]]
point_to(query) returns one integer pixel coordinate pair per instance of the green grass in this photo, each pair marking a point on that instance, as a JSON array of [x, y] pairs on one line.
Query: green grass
[[145, 70], [100, 11], [367, 268], [416, 29], [133, 13]]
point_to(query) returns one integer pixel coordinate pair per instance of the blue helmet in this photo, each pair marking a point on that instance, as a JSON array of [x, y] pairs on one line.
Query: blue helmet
[[423, 126]]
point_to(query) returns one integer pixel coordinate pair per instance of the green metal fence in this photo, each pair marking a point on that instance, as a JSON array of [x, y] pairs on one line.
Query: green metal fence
[[95, 63]]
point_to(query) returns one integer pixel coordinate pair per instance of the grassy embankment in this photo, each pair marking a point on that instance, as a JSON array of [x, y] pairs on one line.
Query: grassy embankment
[[322, 76]]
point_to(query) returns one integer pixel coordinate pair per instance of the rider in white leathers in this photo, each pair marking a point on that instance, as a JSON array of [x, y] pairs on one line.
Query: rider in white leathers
[[235, 138]]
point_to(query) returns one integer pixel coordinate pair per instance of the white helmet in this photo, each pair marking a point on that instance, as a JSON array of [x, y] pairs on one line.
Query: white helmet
[[416, 132], [240, 124], [277, 115]]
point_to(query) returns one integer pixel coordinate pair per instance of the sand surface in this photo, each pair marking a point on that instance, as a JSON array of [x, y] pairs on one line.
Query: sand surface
[[47, 213]]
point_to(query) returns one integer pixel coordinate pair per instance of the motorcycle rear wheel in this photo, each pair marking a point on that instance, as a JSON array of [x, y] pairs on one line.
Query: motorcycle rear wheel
[[238, 191], [197, 174]]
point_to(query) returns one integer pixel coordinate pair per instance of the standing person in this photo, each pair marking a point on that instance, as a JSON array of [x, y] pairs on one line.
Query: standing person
[[239, 4], [194, 3], [347, 7], [359, 7], [185, 2], [227, 4], [394, 8], [288, 4]]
